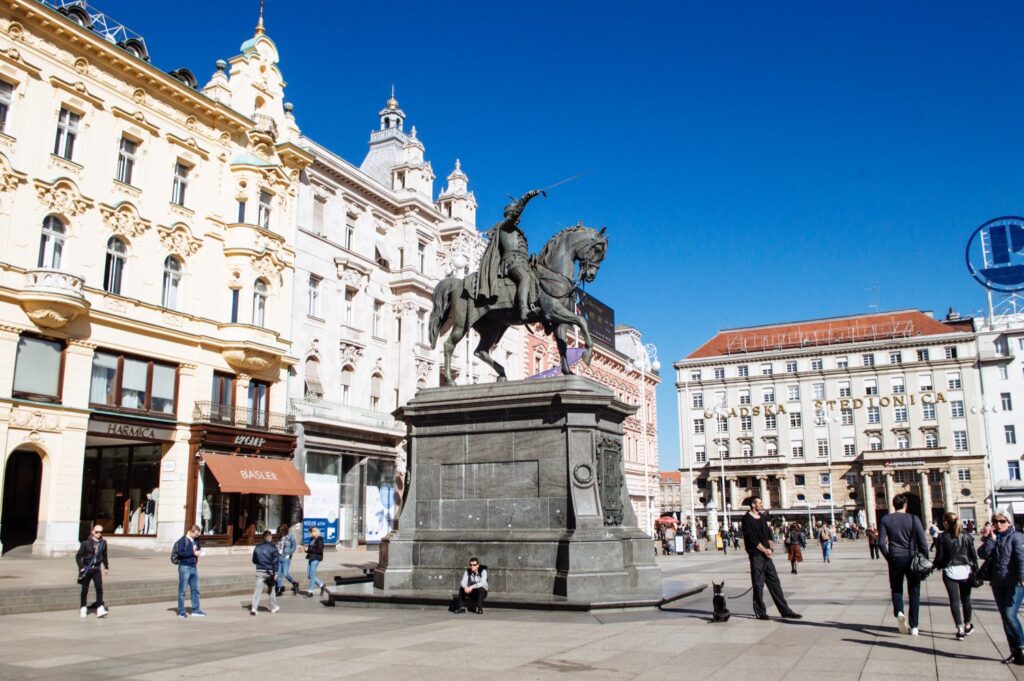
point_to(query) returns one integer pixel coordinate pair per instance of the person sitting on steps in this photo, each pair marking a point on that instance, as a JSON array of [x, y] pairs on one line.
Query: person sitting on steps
[[473, 588]]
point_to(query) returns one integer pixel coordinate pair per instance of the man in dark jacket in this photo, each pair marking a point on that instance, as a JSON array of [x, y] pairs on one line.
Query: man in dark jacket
[[265, 557], [186, 550], [757, 540], [92, 553], [1004, 551]]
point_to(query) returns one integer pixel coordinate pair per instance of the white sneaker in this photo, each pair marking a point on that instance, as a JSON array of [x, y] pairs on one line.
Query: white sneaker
[[84, 612], [275, 609], [913, 631], [252, 611], [101, 611], [901, 622]]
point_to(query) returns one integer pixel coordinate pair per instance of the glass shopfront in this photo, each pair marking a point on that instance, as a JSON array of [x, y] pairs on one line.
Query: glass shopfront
[[121, 487], [352, 497], [240, 518]]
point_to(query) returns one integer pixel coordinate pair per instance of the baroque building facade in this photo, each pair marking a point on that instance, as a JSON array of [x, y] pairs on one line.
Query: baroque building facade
[[146, 272], [832, 417]]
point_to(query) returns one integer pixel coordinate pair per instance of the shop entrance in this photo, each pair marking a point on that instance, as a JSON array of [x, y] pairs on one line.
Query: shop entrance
[[23, 478]]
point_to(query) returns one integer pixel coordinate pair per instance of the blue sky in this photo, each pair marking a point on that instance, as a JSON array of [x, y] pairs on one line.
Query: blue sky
[[755, 162]]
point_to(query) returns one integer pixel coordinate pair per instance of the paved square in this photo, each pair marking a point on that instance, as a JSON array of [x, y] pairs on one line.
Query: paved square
[[847, 633]]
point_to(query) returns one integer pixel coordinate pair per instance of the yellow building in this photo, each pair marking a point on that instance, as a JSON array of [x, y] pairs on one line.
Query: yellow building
[[146, 269]]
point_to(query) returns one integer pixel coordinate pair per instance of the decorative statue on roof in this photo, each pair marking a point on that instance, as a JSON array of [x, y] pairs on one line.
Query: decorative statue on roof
[[514, 287]]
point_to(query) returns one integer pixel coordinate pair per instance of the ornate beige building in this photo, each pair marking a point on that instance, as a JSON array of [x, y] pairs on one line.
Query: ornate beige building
[[146, 271], [832, 417]]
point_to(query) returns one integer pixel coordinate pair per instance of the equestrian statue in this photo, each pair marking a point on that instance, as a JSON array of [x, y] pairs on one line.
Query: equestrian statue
[[513, 287]]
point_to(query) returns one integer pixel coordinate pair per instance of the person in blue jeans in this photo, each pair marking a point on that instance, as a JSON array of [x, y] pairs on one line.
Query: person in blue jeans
[[286, 546], [901, 534], [826, 539], [314, 554], [186, 554], [1004, 553]]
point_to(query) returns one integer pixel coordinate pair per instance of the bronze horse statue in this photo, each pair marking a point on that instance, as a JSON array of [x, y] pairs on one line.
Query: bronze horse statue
[[556, 282]]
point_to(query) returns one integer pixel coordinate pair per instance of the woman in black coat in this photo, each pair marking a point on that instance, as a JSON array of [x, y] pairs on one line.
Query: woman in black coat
[[314, 554], [956, 556]]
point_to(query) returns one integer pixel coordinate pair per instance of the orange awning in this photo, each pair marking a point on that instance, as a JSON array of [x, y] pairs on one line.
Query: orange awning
[[253, 475]]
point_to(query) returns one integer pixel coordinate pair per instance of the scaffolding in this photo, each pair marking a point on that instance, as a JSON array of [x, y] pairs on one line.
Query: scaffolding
[[96, 21], [741, 342]]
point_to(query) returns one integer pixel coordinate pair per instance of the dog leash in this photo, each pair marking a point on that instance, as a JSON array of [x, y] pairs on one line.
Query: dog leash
[[749, 589]]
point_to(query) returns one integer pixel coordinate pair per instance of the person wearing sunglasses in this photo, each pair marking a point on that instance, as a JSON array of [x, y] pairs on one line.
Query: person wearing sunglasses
[[92, 553], [1004, 553]]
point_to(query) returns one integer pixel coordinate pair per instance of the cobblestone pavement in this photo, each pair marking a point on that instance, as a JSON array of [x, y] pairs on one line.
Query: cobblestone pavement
[[847, 633]]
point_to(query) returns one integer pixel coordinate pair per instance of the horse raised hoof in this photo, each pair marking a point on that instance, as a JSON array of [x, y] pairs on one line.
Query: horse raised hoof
[[588, 354]]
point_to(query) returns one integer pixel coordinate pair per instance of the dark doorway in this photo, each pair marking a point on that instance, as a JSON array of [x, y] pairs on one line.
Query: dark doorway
[[22, 479]]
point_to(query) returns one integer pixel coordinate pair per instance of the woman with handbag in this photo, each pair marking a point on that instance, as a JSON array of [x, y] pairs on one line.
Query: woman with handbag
[[902, 541], [314, 554], [956, 557], [1003, 552]]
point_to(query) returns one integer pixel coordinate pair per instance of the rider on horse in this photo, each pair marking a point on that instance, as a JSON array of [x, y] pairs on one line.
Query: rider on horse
[[507, 255]]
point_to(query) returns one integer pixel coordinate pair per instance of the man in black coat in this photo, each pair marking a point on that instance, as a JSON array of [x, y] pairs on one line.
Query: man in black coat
[[92, 553], [265, 557], [757, 540]]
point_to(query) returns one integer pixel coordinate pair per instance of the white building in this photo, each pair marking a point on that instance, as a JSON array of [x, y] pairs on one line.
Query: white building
[[833, 417]]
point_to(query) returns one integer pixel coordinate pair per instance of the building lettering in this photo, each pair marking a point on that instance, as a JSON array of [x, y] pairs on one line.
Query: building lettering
[[124, 430], [768, 409], [250, 441], [251, 474]]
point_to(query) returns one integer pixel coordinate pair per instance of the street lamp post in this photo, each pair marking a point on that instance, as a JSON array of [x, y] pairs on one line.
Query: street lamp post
[[646, 361], [689, 457], [827, 416], [985, 410], [722, 411]]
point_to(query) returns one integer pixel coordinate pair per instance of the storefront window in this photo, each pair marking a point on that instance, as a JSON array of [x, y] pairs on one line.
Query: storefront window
[[37, 369], [120, 488], [322, 509], [242, 517], [129, 383], [379, 510]]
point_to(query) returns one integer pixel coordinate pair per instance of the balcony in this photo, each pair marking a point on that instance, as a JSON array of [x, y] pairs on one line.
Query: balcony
[[351, 334], [242, 417], [322, 410], [265, 125], [251, 349], [51, 298]]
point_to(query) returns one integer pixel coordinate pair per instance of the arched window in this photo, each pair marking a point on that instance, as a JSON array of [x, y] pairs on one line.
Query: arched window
[[747, 450], [931, 440], [259, 303], [114, 269], [375, 386], [875, 443], [314, 388], [772, 449], [51, 243], [346, 384], [902, 441], [723, 452], [171, 298]]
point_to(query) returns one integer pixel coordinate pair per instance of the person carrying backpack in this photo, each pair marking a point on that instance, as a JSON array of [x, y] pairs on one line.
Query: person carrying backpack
[[185, 554]]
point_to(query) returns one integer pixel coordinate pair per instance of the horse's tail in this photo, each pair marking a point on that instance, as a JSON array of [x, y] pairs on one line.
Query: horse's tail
[[442, 306]]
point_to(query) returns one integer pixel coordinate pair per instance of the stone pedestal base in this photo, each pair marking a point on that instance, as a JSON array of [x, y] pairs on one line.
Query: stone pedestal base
[[528, 477]]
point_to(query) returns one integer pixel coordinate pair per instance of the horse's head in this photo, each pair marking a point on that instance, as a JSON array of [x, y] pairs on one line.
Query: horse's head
[[590, 252]]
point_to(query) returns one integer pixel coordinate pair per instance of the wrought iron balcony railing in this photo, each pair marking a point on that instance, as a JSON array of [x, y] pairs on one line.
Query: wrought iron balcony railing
[[242, 417]]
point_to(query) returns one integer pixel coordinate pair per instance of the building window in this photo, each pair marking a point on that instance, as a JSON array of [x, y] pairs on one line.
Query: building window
[[378, 319], [818, 391], [791, 367], [1006, 401], [844, 389], [953, 380], [37, 369], [234, 305], [723, 452], [951, 352], [346, 384], [379, 258], [899, 414], [1010, 434], [960, 440], [171, 293], [895, 357], [375, 385], [868, 360], [875, 443], [766, 369], [874, 415], [6, 92], [259, 303], [698, 400], [898, 386], [924, 383], [746, 424], [695, 375], [800, 480], [817, 364], [126, 160], [138, 384], [798, 450], [819, 417], [963, 474], [922, 355], [771, 449], [421, 327], [259, 404], [746, 450], [770, 422], [67, 133], [795, 419], [847, 416], [223, 397], [822, 448], [699, 455], [350, 230], [421, 258], [113, 269], [1004, 372], [900, 476], [956, 409], [241, 211], [722, 424], [825, 478], [743, 370], [698, 426], [263, 212], [1013, 470], [768, 395], [1002, 348], [793, 393], [851, 479], [870, 386], [719, 372], [928, 411], [720, 398], [180, 186], [51, 243], [313, 296], [931, 440], [849, 449], [902, 441], [744, 397], [348, 311], [842, 362]]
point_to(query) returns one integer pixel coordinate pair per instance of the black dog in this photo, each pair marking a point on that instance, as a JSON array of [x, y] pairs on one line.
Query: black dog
[[720, 610]]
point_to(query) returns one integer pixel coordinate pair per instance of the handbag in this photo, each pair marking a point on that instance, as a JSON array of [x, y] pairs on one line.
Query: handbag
[[920, 565]]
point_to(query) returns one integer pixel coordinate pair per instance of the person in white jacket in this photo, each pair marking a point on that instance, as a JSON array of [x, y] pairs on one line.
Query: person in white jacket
[[473, 588]]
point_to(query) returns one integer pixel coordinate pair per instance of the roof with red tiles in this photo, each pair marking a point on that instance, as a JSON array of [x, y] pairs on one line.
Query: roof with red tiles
[[669, 476], [825, 332]]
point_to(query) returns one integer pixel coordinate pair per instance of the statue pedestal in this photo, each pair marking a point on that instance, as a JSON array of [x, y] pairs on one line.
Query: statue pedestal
[[528, 477]]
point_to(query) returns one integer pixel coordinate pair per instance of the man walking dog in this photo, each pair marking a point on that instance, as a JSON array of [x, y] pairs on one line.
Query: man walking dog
[[757, 539]]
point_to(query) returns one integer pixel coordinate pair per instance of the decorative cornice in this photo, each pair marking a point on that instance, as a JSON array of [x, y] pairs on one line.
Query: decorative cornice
[[179, 240], [13, 57], [124, 220], [189, 144], [77, 89], [137, 118]]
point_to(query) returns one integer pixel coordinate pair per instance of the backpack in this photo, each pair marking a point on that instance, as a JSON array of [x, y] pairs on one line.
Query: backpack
[[174, 553]]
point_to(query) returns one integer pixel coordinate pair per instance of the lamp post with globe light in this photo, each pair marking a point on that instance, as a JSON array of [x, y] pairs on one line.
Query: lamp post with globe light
[[985, 410], [829, 415], [645, 362]]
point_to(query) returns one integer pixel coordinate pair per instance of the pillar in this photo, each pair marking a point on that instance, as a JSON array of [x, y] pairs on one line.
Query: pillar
[[783, 492], [869, 498], [889, 491], [926, 496], [762, 483], [947, 491], [713, 496], [732, 494]]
